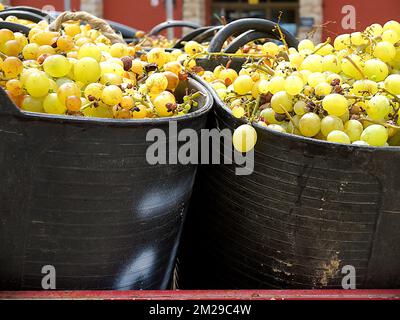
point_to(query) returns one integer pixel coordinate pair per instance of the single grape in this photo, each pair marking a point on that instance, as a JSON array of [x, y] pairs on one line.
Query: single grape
[[378, 107], [323, 89], [65, 43], [238, 112], [243, 84], [244, 138], [352, 66], [331, 63], [93, 91], [90, 50], [392, 84], [73, 103], [342, 42], [294, 85], [306, 44], [37, 84], [228, 76], [111, 78], [163, 103], [157, 83], [57, 66], [139, 112], [66, 90], [15, 87], [12, 67], [337, 136], [127, 102], [193, 47], [300, 107], [32, 104], [276, 84], [353, 129], [315, 78], [331, 123], [157, 56], [310, 124], [375, 135], [111, 95], [282, 102], [313, 63], [87, 70], [335, 104], [384, 51], [52, 104], [119, 50], [270, 49], [376, 70]]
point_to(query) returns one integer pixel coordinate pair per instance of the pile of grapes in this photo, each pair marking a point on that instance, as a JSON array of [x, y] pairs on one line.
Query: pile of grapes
[[347, 92], [77, 71]]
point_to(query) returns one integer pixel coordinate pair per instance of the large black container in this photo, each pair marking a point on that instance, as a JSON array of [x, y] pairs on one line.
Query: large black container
[[79, 195], [309, 209]]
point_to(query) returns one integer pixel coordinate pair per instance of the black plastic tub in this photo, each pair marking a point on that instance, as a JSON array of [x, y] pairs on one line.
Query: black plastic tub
[[78, 194], [309, 209]]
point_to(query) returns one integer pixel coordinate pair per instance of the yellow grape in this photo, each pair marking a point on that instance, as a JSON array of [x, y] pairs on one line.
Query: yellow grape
[[243, 84], [294, 85], [52, 104], [111, 95], [331, 123], [87, 70], [57, 66], [310, 124], [12, 67], [375, 135], [337, 136], [157, 83], [335, 104], [90, 50], [163, 102], [282, 102], [376, 70], [37, 84], [66, 90], [353, 129], [32, 104]]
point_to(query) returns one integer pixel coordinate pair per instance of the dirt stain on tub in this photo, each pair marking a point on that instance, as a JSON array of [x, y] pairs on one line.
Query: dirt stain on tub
[[329, 270]]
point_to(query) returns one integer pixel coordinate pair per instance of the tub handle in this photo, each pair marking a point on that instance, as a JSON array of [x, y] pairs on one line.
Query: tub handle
[[246, 38], [93, 21], [15, 27], [173, 24], [243, 25], [207, 35], [190, 36], [26, 15]]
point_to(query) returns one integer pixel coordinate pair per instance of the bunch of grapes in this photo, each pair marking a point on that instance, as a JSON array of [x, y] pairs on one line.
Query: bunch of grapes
[[346, 92], [77, 71]]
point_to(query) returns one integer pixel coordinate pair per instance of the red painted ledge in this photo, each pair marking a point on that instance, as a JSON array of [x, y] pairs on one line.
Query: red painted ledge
[[206, 295]]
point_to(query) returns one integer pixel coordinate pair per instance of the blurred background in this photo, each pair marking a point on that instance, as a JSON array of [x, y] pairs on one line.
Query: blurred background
[[301, 17]]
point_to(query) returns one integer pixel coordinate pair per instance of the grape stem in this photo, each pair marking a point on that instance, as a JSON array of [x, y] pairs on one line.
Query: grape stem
[[290, 117], [256, 107], [323, 45], [264, 69], [383, 123], [355, 66], [142, 102]]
